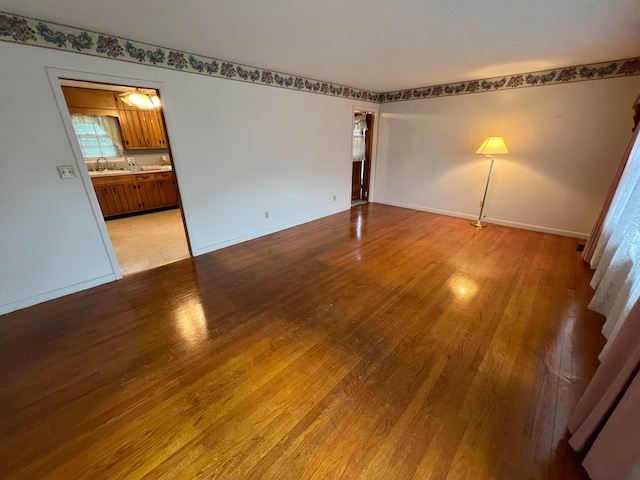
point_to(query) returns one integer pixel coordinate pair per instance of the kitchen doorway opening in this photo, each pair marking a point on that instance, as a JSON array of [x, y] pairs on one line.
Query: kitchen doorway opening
[[362, 154], [121, 134]]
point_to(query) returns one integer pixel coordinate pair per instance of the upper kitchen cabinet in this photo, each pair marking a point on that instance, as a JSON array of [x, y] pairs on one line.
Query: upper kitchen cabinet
[[87, 101], [141, 128]]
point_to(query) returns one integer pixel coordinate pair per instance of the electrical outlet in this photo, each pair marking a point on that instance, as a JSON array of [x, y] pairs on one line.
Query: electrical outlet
[[66, 171], [334, 198], [266, 214]]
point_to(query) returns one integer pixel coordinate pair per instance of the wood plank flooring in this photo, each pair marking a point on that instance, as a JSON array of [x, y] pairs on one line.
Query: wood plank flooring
[[380, 343]]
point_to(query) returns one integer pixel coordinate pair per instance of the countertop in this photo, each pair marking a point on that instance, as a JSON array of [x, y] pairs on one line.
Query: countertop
[[107, 173]]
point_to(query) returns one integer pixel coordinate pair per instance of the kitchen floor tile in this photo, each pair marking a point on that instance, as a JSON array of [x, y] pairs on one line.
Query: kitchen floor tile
[[146, 241]]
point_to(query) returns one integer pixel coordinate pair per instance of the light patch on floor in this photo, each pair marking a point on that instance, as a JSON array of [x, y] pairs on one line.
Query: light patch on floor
[[146, 241]]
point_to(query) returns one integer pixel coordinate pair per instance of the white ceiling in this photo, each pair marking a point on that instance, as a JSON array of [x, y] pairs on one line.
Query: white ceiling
[[378, 45]]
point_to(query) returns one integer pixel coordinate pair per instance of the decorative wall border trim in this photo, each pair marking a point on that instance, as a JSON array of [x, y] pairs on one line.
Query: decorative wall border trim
[[579, 73], [29, 31]]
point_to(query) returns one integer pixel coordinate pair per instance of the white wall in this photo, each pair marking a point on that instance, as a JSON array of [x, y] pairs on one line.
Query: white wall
[[238, 150], [565, 143]]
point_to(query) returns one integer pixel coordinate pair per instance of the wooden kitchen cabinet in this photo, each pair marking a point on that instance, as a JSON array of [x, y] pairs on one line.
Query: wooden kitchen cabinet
[[168, 188], [141, 128], [122, 194], [88, 101], [116, 194], [157, 126], [148, 190], [130, 127]]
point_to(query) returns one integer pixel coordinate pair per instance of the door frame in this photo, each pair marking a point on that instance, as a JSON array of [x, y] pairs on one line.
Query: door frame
[[374, 146], [54, 76]]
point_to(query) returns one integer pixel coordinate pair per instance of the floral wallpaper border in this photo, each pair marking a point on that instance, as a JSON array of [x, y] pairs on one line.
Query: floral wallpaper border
[[28, 31], [580, 73]]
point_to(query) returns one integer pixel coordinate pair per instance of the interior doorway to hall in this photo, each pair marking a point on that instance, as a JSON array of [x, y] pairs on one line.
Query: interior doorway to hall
[[362, 146]]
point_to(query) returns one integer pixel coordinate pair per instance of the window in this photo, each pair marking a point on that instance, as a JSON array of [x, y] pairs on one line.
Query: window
[[97, 136]]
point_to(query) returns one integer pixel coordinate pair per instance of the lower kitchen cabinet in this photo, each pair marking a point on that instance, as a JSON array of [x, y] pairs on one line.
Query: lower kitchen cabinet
[[146, 184], [121, 194], [168, 188], [116, 195]]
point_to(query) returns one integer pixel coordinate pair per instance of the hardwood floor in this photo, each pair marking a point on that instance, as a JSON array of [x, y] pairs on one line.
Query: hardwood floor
[[379, 343]]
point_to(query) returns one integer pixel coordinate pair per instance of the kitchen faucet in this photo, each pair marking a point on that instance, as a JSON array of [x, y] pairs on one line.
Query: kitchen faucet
[[98, 163]]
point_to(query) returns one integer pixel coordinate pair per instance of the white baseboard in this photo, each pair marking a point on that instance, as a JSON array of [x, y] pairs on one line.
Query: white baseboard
[[59, 292], [267, 231], [496, 221]]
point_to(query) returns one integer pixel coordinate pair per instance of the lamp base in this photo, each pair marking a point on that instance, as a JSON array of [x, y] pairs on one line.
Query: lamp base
[[479, 223]]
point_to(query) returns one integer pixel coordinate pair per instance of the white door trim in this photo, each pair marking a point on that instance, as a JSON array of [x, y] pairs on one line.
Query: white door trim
[[54, 75]]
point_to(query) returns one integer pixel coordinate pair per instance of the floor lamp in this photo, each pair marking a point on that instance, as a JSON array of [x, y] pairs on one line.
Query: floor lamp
[[492, 146]]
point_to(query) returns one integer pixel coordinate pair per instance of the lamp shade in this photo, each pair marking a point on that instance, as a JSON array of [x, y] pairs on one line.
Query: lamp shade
[[492, 146]]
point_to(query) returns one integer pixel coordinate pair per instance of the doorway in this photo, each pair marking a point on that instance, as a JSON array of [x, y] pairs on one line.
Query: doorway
[[121, 134], [362, 154]]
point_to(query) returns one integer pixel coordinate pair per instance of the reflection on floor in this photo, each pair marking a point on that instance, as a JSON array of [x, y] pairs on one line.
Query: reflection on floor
[[147, 241], [355, 203]]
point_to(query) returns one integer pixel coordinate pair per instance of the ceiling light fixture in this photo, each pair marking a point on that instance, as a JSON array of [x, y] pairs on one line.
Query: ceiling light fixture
[[141, 98]]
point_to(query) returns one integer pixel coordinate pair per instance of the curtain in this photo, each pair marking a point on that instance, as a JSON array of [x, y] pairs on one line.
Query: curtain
[[359, 130], [594, 242], [617, 255], [608, 218], [107, 123], [606, 421]]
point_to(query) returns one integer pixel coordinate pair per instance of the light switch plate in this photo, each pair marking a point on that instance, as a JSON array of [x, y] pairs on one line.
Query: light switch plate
[[66, 171]]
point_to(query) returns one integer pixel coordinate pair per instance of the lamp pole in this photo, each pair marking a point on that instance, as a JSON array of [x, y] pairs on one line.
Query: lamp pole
[[479, 223]]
